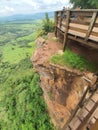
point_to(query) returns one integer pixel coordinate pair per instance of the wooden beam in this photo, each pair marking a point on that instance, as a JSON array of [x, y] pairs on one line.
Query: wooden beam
[[61, 13], [91, 26], [60, 31], [56, 22], [81, 41], [86, 29], [76, 33], [67, 24], [80, 26], [94, 38]]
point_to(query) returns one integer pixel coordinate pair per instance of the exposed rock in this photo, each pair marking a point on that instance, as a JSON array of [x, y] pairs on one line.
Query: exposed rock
[[62, 87], [40, 41]]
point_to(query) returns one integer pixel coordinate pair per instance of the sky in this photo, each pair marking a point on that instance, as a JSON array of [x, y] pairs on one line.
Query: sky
[[11, 7]]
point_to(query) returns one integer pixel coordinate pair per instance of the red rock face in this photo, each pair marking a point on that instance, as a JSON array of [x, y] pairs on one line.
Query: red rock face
[[62, 87]]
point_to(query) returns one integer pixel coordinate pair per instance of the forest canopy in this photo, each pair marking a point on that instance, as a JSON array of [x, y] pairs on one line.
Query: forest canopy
[[85, 4]]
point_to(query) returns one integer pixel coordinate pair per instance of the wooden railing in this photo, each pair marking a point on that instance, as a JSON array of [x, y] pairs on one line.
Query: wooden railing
[[79, 25]]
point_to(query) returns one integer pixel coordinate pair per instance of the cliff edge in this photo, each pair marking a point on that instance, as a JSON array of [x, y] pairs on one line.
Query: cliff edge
[[62, 87]]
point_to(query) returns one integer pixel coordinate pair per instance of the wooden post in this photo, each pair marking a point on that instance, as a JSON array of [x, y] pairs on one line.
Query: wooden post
[[91, 25], [56, 21], [61, 19], [66, 30]]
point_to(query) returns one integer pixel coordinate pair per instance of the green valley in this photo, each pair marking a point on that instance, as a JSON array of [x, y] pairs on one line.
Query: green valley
[[22, 106]]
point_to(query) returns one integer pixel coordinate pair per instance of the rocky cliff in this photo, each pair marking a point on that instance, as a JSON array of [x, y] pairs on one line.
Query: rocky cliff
[[62, 87]]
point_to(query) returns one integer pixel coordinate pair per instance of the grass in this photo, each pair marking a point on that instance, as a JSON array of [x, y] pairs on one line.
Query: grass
[[14, 53], [73, 60]]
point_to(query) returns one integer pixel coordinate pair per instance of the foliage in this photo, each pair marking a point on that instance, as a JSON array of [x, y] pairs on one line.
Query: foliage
[[17, 41], [48, 25], [90, 4], [14, 54], [40, 32], [73, 60], [22, 106]]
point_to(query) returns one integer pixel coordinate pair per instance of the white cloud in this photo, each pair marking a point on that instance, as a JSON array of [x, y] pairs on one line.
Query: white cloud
[[9, 7], [6, 10], [29, 2]]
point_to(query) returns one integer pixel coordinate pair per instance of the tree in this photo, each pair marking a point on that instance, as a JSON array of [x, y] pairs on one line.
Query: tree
[[90, 4], [48, 25]]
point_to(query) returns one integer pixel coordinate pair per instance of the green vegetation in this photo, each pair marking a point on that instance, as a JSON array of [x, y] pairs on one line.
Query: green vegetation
[[14, 51], [22, 106], [73, 60], [17, 41], [85, 4], [47, 26]]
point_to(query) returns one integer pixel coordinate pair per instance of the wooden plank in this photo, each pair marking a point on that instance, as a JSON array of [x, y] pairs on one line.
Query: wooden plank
[[78, 26], [78, 29], [81, 41], [63, 28], [85, 10], [94, 38], [83, 21], [83, 114], [87, 20], [79, 22], [90, 105], [60, 31], [75, 33], [82, 13], [95, 29], [73, 27], [95, 97], [67, 25], [82, 10], [75, 123], [94, 34], [96, 25], [96, 20], [91, 25], [96, 113]]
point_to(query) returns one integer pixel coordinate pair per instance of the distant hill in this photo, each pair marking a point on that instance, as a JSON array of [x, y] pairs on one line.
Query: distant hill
[[25, 17]]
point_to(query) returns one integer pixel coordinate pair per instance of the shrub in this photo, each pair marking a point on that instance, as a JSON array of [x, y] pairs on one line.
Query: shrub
[[48, 25]]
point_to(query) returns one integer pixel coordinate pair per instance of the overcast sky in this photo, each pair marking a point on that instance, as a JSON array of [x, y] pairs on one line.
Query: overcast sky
[[10, 7]]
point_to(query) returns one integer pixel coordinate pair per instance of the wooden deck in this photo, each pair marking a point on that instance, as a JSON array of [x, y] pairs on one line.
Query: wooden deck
[[86, 116], [78, 25]]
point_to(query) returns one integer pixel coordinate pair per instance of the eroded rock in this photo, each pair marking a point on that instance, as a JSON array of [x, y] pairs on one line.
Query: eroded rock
[[62, 87]]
